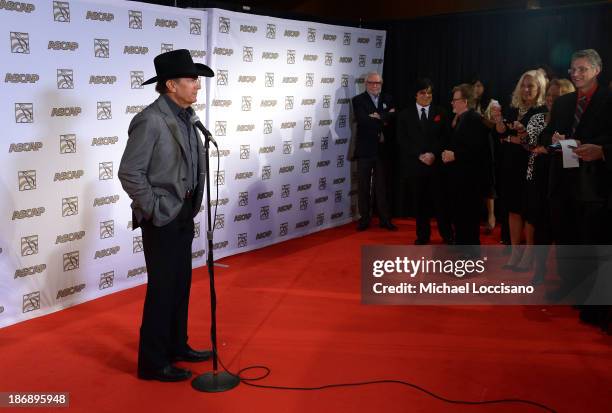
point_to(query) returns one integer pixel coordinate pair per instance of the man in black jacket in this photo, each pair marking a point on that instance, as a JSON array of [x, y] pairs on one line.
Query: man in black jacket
[[373, 112], [422, 131]]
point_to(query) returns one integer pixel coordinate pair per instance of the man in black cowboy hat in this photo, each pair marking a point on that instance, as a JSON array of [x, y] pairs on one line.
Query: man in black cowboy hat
[[162, 170]]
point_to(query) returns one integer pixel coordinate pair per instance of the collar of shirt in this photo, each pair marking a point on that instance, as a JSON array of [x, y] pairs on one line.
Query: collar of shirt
[[374, 99], [588, 95], [419, 107]]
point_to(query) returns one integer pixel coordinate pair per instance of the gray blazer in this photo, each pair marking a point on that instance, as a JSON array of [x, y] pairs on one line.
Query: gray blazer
[[153, 167]]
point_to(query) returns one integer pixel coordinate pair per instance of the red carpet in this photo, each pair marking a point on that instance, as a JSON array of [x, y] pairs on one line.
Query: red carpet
[[295, 307]]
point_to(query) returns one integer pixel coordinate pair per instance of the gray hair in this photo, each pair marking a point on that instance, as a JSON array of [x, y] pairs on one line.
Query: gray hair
[[373, 73], [591, 55]]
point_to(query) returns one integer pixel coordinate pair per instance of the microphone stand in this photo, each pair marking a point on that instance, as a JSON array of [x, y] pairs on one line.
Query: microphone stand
[[214, 381]]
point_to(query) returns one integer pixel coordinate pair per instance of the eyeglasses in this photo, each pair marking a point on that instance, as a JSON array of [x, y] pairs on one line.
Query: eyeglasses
[[373, 83], [579, 70]]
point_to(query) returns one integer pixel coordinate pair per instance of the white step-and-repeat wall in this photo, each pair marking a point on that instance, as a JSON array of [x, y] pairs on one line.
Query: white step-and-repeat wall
[[279, 107]]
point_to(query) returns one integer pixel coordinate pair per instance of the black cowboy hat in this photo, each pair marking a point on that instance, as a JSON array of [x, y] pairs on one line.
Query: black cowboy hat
[[175, 64]]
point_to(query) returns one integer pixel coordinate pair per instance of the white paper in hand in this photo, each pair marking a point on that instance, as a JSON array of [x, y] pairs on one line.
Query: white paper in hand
[[570, 159]]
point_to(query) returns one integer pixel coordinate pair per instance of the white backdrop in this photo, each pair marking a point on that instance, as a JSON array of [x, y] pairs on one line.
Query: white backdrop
[[72, 73]]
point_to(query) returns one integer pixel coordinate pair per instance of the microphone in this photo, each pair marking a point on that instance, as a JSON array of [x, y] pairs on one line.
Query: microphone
[[195, 121]]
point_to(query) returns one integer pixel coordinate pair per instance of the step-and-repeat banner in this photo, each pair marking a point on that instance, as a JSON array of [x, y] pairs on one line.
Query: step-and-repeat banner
[[71, 74]]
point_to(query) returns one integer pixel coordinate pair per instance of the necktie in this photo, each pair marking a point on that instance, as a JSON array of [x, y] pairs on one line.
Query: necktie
[[580, 107], [423, 116]]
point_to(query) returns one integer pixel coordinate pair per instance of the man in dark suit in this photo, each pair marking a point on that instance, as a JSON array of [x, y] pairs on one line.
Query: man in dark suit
[[422, 131], [373, 112], [162, 170]]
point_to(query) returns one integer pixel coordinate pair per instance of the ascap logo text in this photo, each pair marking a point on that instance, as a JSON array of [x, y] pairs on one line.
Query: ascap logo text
[[25, 147], [21, 78], [67, 111], [107, 252], [28, 213], [101, 16], [62, 45], [166, 23], [73, 236], [62, 176], [35, 269], [105, 200]]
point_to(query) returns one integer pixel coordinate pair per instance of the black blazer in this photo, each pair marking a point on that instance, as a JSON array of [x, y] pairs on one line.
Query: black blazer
[[590, 182], [415, 138], [369, 129]]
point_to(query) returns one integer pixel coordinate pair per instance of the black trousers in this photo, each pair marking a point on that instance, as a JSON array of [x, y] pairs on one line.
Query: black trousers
[[430, 196], [167, 250], [365, 167]]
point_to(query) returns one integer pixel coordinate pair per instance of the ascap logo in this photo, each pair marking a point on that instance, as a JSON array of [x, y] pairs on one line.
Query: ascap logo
[[102, 48], [29, 245], [346, 59], [219, 221], [377, 61], [248, 29], [342, 121], [104, 140], [223, 51], [329, 59], [100, 16], [61, 11], [266, 172], [311, 36], [26, 180], [70, 291], [196, 230], [28, 213], [106, 280], [264, 213], [305, 168], [24, 113], [268, 103], [330, 37], [344, 81], [195, 27], [105, 171], [25, 147], [133, 109], [220, 127], [62, 45], [346, 40], [362, 60], [224, 25], [130, 225], [283, 229], [287, 147], [167, 23], [248, 79], [246, 103], [137, 245], [219, 177], [20, 42], [104, 111], [242, 217], [320, 219], [290, 57], [339, 181], [309, 80], [326, 101], [306, 145], [263, 235], [143, 50], [68, 143], [105, 200], [286, 169], [31, 302], [102, 80], [324, 143], [292, 33], [284, 208], [245, 151], [328, 80], [269, 79], [247, 54], [222, 76], [107, 229], [267, 128], [220, 245], [267, 149], [308, 102], [341, 141], [65, 79], [363, 40], [222, 103], [359, 81], [340, 161], [135, 19], [310, 57], [288, 125], [325, 122], [302, 224], [265, 195], [304, 203], [197, 54], [67, 111], [220, 153], [285, 191], [322, 164], [245, 128], [136, 79], [271, 31], [21, 78], [106, 252], [71, 260], [243, 175], [197, 254], [289, 102], [338, 195], [242, 240], [308, 123], [379, 41], [136, 271], [63, 176], [343, 101], [321, 199], [166, 47], [337, 215], [322, 183], [24, 272]]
